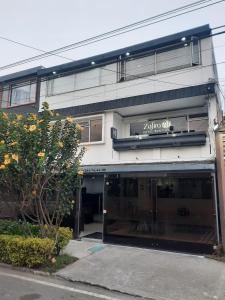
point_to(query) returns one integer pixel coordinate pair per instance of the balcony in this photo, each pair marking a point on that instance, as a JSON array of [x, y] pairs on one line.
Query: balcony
[[160, 141]]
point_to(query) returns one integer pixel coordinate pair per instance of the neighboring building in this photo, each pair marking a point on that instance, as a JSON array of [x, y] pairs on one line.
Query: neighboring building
[[148, 114], [19, 92], [220, 160]]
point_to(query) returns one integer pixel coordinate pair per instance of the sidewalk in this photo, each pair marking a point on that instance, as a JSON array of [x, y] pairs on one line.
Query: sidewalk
[[151, 274]]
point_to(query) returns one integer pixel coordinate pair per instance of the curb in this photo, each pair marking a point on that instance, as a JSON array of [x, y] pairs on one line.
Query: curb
[[26, 270]]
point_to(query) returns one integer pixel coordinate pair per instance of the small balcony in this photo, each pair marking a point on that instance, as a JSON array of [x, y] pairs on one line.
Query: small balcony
[[160, 141]]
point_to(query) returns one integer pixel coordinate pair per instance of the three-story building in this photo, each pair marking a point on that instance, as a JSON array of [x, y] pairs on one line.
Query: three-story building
[[147, 114]]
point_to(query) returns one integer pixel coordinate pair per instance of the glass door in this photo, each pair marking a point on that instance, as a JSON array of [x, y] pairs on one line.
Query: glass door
[[168, 212]]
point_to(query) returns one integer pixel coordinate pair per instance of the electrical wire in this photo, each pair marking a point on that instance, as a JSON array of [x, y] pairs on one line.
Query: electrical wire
[[111, 33]]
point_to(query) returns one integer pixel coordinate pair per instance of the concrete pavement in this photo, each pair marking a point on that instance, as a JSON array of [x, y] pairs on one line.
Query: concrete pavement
[[15, 285], [147, 273]]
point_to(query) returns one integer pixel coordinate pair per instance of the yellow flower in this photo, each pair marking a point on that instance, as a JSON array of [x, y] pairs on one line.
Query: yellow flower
[[69, 120], [32, 128], [15, 157], [60, 144], [6, 156], [2, 167], [81, 172], [33, 117], [7, 161], [13, 144], [41, 154], [78, 127], [19, 117], [40, 121], [2, 142], [5, 115]]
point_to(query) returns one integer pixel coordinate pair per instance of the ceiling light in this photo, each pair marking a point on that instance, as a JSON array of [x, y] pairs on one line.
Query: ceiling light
[[93, 63], [127, 53], [185, 45], [183, 39], [54, 72]]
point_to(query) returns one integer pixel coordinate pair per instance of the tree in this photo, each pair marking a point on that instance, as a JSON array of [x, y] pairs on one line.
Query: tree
[[40, 160]]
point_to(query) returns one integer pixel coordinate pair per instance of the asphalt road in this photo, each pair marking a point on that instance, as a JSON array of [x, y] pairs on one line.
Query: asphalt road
[[16, 285]]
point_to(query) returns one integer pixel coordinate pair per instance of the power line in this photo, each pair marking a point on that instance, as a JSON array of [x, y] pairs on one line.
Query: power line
[[30, 47], [114, 33], [144, 78]]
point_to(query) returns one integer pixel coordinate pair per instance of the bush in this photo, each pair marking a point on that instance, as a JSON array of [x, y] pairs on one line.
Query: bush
[[25, 251], [18, 228], [64, 234]]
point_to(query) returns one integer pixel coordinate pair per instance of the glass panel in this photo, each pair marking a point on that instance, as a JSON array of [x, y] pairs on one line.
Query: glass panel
[[160, 211], [173, 59], [140, 66], [159, 126], [63, 84], [23, 94], [96, 130], [5, 99], [195, 52], [87, 79], [198, 125], [129, 206], [84, 132], [185, 210]]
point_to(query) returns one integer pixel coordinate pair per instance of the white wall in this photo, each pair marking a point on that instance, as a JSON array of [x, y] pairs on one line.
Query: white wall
[[104, 154]]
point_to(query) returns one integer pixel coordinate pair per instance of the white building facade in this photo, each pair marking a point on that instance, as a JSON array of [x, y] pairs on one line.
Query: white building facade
[[148, 113]]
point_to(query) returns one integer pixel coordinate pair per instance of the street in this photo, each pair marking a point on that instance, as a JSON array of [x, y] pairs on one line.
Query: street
[[15, 285]]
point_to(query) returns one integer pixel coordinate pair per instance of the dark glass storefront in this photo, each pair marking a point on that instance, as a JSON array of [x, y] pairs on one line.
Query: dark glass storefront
[[172, 211]]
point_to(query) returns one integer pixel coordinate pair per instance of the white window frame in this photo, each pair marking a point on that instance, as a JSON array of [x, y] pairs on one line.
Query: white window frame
[[89, 118]]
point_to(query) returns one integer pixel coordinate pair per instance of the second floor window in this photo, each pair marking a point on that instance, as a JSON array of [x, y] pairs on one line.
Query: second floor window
[[17, 94], [91, 129]]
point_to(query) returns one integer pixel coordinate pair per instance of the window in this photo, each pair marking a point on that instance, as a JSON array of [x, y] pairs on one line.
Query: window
[[63, 85], [78, 81], [173, 59], [170, 125], [161, 61], [91, 130], [19, 94], [198, 124], [141, 66]]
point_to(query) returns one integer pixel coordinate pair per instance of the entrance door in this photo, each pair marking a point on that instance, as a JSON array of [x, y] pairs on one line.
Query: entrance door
[[170, 212], [92, 207]]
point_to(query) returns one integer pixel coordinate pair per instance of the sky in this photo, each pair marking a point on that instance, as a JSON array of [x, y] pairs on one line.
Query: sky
[[50, 24]]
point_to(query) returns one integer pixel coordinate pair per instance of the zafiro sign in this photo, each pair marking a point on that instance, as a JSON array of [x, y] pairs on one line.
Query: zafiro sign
[[156, 126]]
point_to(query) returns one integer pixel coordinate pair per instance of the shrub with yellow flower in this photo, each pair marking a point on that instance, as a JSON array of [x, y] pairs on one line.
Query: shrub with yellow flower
[[32, 128], [41, 154], [2, 167], [60, 144], [15, 157]]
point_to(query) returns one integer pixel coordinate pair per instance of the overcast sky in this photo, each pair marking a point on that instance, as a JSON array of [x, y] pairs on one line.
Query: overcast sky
[[49, 24]]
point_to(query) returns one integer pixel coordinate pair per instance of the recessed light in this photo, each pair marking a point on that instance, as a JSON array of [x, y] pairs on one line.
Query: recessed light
[[185, 45], [127, 53], [183, 39], [54, 72], [93, 63]]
